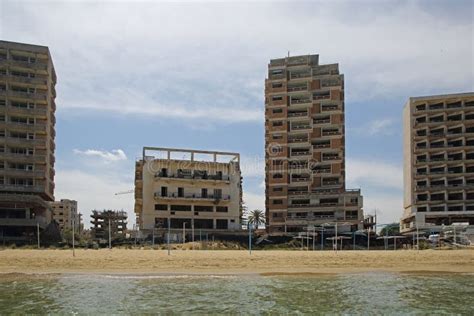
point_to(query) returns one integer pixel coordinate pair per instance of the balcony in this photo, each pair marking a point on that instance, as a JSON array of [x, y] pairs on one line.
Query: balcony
[[208, 197], [330, 157], [322, 145], [297, 88], [27, 80], [300, 101], [193, 177], [331, 133], [23, 126], [300, 179], [324, 205], [299, 75], [24, 64], [322, 121], [23, 141], [22, 188], [298, 114], [23, 158], [292, 140], [301, 153], [24, 173], [321, 95], [26, 111], [297, 127], [23, 95], [29, 222], [329, 108]]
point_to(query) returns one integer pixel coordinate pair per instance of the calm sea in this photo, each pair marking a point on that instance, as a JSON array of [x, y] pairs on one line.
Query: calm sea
[[371, 293]]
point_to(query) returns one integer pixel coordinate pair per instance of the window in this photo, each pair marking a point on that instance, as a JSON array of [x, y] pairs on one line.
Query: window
[[164, 191], [277, 136], [277, 85], [277, 189], [183, 208], [277, 201], [161, 207], [204, 193], [221, 209], [180, 192], [203, 208], [277, 123], [221, 224], [218, 193], [277, 98], [277, 176], [275, 111]]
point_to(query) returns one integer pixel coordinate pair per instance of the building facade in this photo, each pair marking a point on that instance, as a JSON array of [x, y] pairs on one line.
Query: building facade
[[27, 133], [108, 223], [189, 188], [305, 148], [438, 161], [66, 215]]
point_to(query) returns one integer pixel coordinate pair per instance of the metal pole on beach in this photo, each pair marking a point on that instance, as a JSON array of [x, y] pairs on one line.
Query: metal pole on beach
[[110, 235], [184, 232], [322, 238], [169, 228], [368, 238], [192, 233], [73, 239], [250, 238], [38, 233]]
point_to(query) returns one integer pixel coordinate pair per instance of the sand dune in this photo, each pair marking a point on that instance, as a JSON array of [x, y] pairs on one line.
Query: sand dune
[[232, 261]]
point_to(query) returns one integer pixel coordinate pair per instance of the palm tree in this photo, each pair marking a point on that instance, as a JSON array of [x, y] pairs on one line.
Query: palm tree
[[256, 217]]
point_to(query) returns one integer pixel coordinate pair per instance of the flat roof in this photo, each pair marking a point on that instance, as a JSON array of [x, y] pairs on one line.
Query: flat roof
[[168, 151], [442, 96]]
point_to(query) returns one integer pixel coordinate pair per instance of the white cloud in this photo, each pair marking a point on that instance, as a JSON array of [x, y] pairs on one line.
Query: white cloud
[[106, 156], [207, 64], [362, 173], [95, 191], [380, 126]]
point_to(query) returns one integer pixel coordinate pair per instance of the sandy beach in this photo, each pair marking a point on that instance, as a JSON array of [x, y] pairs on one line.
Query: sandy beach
[[232, 261]]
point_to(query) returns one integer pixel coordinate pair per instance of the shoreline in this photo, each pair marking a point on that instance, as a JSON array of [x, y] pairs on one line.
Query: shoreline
[[232, 262]]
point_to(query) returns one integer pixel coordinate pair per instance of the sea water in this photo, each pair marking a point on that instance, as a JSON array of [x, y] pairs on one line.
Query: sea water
[[363, 294]]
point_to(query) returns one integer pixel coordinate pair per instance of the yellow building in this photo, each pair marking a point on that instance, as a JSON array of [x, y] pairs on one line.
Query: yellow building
[[189, 188], [27, 133]]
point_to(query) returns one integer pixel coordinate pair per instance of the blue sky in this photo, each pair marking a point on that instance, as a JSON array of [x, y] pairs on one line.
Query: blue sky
[[191, 74]]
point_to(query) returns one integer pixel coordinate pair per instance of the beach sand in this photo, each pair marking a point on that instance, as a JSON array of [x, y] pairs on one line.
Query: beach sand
[[135, 261]]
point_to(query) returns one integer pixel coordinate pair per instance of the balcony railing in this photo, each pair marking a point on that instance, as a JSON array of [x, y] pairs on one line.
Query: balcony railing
[[25, 95], [40, 81], [193, 177], [297, 114], [224, 197]]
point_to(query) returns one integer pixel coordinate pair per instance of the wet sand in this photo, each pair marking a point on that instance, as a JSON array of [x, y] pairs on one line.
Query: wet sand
[[135, 261]]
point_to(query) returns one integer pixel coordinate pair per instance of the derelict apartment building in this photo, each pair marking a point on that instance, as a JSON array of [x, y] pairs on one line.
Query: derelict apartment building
[[190, 188], [27, 120], [438, 161], [65, 213], [305, 147]]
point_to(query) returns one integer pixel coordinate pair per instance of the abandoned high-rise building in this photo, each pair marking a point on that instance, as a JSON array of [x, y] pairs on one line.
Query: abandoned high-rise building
[[438, 161], [305, 148], [108, 223], [66, 215], [190, 189], [27, 119]]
